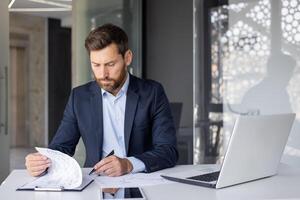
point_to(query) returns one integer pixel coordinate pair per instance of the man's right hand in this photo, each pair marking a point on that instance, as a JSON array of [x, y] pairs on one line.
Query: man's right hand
[[36, 163]]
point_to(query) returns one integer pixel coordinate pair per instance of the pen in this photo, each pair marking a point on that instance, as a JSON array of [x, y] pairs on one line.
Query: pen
[[110, 154]]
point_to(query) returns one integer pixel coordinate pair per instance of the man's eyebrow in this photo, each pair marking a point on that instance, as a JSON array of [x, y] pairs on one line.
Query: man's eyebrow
[[114, 60], [95, 63]]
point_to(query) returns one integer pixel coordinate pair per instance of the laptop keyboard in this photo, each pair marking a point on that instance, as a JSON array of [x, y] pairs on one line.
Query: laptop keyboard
[[206, 177]]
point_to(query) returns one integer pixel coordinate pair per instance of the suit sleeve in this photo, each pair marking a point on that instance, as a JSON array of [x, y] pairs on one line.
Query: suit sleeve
[[164, 153], [67, 135]]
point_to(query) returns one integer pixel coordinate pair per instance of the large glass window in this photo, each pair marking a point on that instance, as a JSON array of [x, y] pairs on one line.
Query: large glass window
[[251, 67]]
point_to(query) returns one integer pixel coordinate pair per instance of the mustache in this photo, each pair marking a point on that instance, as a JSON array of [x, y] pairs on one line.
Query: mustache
[[105, 79]]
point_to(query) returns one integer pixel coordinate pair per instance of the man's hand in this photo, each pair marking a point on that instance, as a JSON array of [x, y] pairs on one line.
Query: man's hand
[[36, 163], [113, 166]]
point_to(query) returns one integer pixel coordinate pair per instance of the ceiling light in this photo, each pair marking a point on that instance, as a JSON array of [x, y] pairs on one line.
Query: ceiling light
[[52, 3], [11, 3], [38, 9]]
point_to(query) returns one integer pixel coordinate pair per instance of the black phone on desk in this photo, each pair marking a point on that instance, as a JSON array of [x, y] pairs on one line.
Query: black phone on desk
[[132, 193]]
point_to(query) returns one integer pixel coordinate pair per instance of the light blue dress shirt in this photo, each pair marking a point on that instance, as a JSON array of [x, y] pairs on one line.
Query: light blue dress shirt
[[113, 125]]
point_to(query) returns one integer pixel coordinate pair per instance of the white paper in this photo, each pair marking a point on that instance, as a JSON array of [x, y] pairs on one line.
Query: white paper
[[131, 180], [64, 171]]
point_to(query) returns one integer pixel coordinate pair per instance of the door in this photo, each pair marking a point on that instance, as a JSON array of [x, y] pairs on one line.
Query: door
[[4, 133], [18, 95]]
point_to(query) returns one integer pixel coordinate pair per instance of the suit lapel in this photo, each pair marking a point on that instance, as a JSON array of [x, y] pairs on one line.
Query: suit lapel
[[130, 110], [97, 117]]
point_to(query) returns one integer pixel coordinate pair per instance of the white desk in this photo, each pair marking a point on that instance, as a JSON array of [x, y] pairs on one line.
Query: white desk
[[285, 185]]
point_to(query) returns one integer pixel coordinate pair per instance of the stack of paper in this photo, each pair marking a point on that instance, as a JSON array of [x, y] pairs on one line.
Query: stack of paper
[[64, 170], [64, 173]]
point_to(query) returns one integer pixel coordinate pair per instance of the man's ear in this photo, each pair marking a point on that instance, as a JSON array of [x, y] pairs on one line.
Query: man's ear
[[128, 57]]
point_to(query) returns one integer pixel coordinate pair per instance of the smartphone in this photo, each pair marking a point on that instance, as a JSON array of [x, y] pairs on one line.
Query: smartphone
[[132, 193]]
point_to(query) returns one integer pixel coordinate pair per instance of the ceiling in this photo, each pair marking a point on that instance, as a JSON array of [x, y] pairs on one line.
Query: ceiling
[[45, 8]]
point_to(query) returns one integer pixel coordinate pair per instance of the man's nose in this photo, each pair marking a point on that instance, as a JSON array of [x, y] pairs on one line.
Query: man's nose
[[104, 72]]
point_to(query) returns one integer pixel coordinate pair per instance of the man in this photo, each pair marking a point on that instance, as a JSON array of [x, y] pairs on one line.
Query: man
[[117, 112]]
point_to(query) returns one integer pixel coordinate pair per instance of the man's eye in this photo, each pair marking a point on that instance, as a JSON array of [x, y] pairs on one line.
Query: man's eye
[[111, 64]]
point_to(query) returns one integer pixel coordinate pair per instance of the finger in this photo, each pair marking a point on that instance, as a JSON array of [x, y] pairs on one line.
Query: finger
[[114, 174], [103, 162], [114, 169], [37, 163], [109, 171], [39, 168], [35, 156], [32, 155], [104, 168], [37, 173]]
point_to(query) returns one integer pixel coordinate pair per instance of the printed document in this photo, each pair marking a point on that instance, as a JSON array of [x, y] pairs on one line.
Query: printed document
[[132, 180], [64, 172]]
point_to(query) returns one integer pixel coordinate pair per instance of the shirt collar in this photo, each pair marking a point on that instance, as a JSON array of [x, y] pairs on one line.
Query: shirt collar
[[122, 90]]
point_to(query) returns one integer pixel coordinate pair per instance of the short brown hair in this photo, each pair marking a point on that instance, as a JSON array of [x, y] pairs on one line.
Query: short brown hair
[[105, 35]]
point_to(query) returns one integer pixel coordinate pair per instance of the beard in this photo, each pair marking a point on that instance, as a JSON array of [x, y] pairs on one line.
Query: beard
[[112, 85]]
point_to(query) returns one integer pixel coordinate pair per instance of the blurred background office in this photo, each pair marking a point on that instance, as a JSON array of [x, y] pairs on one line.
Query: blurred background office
[[216, 59]]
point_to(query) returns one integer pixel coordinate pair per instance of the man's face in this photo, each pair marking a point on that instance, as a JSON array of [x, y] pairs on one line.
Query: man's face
[[110, 67]]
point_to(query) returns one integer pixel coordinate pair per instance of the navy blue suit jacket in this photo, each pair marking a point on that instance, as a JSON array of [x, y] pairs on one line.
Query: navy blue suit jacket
[[148, 130]]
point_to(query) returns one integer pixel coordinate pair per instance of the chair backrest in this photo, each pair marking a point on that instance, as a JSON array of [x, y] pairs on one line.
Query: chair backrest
[[176, 108]]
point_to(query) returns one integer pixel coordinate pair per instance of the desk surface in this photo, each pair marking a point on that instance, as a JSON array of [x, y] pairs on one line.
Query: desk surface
[[285, 185]]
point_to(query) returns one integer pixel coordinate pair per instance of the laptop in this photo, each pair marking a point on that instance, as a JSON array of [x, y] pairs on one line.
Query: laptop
[[254, 152]]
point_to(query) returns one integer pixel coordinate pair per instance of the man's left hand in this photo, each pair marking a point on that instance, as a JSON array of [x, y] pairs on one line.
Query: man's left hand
[[113, 166]]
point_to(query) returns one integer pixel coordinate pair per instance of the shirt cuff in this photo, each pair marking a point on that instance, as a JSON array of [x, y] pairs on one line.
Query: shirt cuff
[[137, 165]]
